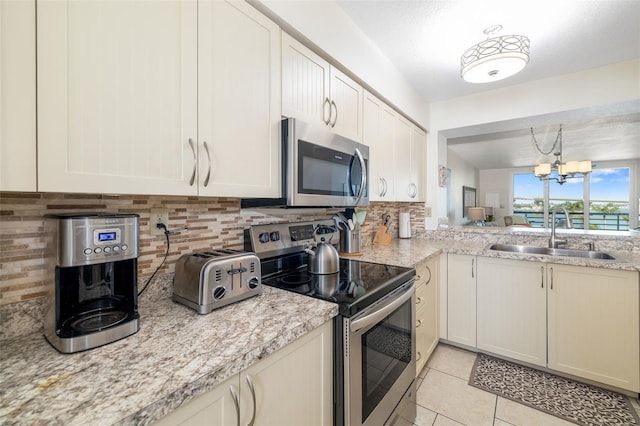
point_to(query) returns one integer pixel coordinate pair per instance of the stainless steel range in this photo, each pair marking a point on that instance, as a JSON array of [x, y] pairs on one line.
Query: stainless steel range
[[374, 333]]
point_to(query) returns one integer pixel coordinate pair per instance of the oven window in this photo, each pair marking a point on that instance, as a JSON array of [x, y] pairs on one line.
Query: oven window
[[386, 352]]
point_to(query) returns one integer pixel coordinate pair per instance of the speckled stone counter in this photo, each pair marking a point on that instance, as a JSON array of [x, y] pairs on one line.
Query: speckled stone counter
[[411, 252], [176, 355]]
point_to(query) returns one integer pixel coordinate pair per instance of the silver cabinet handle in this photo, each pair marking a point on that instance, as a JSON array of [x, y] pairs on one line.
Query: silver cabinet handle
[[326, 121], [413, 190], [195, 162], [551, 269], [385, 187], [542, 277], [253, 396], [418, 300], [333, 123], [381, 192], [363, 181], [418, 356], [206, 179], [419, 323], [428, 279], [234, 396], [472, 267]]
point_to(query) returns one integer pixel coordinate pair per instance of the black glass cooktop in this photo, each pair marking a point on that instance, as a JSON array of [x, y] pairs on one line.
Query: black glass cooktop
[[356, 286]]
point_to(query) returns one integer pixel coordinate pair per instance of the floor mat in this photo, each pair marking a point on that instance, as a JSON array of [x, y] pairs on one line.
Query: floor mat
[[572, 401]]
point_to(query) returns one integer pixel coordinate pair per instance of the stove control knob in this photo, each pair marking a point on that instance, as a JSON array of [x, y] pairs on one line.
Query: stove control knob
[[254, 282], [275, 236], [264, 237], [219, 292]]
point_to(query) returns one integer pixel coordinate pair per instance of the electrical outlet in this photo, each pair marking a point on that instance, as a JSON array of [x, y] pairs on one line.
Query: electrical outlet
[[427, 211], [157, 216]]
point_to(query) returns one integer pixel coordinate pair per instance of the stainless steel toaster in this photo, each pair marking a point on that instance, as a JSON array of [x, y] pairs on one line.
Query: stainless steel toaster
[[209, 280]]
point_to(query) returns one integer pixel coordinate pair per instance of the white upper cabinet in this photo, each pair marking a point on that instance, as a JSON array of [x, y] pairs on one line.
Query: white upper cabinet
[[378, 124], [158, 97], [409, 158], [117, 96], [315, 91], [18, 95], [418, 149], [238, 101]]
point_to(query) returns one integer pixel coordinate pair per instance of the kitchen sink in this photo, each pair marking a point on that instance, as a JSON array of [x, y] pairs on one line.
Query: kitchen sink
[[552, 251]]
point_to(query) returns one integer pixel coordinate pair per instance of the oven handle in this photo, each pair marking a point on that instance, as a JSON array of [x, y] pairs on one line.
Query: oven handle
[[363, 181], [380, 313]]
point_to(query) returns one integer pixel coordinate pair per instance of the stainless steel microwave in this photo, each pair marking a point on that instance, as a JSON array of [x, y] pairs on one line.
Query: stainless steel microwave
[[320, 169]]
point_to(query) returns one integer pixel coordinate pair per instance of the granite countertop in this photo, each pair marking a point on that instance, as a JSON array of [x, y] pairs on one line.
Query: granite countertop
[[176, 355], [411, 252]]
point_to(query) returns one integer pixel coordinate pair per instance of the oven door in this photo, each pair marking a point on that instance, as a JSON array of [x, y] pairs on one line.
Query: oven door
[[381, 357], [324, 169]]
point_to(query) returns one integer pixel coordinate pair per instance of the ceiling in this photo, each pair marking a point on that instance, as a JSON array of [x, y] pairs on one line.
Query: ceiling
[[426, 38]]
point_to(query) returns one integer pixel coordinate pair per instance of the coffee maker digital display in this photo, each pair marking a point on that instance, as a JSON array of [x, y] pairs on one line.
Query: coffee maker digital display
[[93, 293]]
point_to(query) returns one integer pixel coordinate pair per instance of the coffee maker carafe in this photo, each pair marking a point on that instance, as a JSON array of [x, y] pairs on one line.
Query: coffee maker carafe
[[92, 296]]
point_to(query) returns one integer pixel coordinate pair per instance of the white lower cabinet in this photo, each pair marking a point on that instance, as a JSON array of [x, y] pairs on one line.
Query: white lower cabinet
[[594, 326], [292, 386], [512, 317], [426, 311], [461, 299], [582, 321]]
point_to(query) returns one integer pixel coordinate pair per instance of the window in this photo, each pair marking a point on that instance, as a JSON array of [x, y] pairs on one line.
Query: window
[[606, 192], [609, 199], [528, 198]]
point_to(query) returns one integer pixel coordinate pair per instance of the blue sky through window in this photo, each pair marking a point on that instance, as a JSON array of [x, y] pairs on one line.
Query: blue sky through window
[[606, 184]]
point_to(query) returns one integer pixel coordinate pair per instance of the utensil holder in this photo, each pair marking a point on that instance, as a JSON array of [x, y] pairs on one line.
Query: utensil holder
[[350, 240]]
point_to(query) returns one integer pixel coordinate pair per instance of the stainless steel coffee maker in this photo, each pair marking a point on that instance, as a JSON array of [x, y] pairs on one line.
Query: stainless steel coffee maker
[[92, 298]]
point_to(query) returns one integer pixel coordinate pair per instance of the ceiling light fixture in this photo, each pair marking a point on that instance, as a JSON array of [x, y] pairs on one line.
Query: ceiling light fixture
[[495, 58], [566, 170]]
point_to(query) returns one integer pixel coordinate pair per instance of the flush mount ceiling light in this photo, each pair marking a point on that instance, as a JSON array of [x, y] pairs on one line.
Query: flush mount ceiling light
[[495, 58], [565, 170]]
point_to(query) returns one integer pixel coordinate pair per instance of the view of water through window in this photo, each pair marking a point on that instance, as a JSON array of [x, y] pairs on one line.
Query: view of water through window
[[608, 199]]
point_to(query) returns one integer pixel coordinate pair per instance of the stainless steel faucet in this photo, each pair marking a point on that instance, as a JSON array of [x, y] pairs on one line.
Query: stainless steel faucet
[[553, 241]]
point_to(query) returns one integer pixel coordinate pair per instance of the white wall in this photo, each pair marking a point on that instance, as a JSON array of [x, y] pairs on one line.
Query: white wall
[[462, 174], [596, 87], [327, 26]]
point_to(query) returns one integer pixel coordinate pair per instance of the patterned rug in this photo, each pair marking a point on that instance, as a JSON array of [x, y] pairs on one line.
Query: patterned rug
[[572, 401]]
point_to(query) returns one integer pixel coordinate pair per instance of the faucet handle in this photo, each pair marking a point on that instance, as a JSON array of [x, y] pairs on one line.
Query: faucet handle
[[591, 245]]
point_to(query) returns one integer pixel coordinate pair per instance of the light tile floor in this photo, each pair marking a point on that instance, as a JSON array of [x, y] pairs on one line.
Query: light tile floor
[[445, 398]]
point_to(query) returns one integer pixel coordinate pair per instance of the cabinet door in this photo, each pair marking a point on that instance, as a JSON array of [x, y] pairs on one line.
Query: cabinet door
[[402, 140], [305, 83], [418, 140], [18, 95], [238, 101], [293, 386], [346, 104], [378, 124], [117, 96], [213, 408], [512, 315], [426, 311], [461, 299], [594, 324]]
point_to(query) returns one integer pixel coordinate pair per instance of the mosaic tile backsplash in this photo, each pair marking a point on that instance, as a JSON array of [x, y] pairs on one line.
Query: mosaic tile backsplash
[[210, 222]]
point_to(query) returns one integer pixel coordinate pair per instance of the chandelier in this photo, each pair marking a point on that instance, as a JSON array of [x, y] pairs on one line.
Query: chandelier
[[495, 58], [566, 170]]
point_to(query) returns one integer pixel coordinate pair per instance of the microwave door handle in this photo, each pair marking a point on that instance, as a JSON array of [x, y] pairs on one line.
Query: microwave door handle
[[363, 181]]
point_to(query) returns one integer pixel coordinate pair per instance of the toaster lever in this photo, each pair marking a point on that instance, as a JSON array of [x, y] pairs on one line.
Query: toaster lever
[[239, 270]]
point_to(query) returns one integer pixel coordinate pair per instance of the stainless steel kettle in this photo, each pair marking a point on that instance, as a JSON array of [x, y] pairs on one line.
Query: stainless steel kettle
[[324, 259]]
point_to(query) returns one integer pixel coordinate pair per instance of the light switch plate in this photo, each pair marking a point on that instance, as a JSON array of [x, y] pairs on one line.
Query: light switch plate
[[427, 211]]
